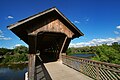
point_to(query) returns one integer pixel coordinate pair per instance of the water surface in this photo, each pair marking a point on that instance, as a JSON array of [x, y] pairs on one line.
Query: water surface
[[13, 72], [83, 55]]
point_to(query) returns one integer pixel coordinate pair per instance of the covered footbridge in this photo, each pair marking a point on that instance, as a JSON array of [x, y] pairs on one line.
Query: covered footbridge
[[48, 35]]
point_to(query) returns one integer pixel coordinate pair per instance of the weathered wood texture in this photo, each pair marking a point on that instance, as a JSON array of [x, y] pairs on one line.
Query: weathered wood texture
[[37, 70], [62, 46], [53, 26], [41, 72], [94, 69], [31, 69], [32, 44], [32, 57]]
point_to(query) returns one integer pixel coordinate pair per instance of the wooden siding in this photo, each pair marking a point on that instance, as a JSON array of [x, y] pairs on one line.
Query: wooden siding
[[54, 26]]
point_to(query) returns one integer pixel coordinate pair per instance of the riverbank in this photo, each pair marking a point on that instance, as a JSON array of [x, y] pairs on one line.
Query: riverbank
[[14, 63]]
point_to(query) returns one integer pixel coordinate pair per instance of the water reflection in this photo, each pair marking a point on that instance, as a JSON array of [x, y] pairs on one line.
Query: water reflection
[[13, 72]]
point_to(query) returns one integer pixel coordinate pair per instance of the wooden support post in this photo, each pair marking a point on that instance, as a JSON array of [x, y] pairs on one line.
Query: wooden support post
[[31, 71], [60, 55], [32, 57]]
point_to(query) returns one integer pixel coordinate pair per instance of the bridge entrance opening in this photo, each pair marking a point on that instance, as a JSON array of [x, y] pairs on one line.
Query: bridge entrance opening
[[49, 45]]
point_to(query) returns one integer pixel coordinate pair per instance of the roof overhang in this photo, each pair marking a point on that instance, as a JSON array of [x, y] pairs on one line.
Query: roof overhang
[[49, 11]]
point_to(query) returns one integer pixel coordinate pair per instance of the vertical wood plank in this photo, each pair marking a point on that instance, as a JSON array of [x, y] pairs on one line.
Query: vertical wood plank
[[32, 41], [97, 72], [31, 69], [32, 56], [60, 55]]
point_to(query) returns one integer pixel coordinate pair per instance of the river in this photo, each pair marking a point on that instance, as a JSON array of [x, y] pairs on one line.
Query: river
[[84, 55], [13, 72]]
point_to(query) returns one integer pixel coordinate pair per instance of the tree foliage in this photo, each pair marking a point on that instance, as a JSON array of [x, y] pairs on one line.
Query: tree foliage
[[108, 54], [18, 54], [15, 58], [104, 53], [3, 51], [20, 49], [81, 50]]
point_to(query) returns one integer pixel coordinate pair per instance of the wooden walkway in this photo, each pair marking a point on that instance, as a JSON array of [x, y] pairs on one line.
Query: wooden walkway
[[59, 71]]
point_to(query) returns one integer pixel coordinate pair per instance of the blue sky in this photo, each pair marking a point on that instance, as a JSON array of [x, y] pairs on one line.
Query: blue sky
[[99, 20]]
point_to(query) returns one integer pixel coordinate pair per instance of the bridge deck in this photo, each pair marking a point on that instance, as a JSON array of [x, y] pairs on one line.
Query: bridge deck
[[59, 71]]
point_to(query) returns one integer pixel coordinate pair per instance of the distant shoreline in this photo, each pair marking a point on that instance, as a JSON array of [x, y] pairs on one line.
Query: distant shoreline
[[10, 63]]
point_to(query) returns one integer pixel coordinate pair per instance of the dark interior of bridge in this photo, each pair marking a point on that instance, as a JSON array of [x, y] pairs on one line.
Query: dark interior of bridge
[[49, 45]]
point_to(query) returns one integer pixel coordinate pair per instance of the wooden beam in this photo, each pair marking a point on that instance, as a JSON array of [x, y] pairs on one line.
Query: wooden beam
[[66, 45], [60, 57], [32, 56], [32, 44], [31, 67]]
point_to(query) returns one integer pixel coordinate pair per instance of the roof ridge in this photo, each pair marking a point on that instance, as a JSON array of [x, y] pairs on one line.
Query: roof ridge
[[43, 13]]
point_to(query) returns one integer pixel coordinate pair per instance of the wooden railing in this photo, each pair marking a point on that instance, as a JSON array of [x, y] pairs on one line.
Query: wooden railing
[[94, 69]]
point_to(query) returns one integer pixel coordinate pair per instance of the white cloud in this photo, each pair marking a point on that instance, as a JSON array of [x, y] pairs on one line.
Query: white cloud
[[95, 42], [18, 45], [10, 17], [116, 32], [76, 22], [118, 27], [5, 38], [2, 37]]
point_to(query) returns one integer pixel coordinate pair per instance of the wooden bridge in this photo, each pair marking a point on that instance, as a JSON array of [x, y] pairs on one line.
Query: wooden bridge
[[59, 71], [74, 68], [94, 69], [48, 35]]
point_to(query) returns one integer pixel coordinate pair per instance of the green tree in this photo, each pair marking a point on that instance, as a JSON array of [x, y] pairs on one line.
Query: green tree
[[68, 51], [3, 51], [116, 46], [21, 49], [108, 54], [20, 55]]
